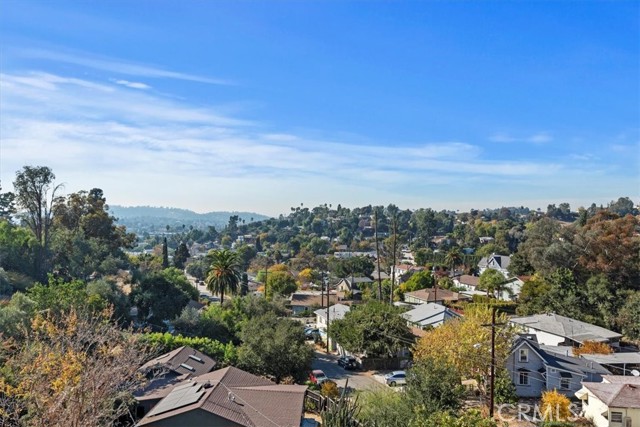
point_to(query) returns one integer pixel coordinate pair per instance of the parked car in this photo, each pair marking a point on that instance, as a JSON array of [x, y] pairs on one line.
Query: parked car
[[348, 362], [318, 376], [311, 334], [396, 378]]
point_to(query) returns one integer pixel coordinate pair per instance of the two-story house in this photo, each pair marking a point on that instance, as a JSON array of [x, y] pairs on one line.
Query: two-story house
[[534, 370]]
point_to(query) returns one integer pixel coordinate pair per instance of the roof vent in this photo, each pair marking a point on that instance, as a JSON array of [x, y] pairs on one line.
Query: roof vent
[[196, 358], [188, 367], [231, 397], [207, 384]]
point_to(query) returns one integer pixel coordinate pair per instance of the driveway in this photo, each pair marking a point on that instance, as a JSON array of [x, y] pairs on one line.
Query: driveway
[[357, 380]]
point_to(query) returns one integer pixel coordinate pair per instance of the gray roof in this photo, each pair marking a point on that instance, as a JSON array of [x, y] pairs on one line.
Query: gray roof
[[566, 327], [336, 312], [617, 395], [618, 358], [621, 379], [182, 360], [238, 396], [429, 314], [503, 261]]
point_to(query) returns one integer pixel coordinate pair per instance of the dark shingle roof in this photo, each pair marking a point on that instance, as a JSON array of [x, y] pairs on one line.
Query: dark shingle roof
[[182, 360]]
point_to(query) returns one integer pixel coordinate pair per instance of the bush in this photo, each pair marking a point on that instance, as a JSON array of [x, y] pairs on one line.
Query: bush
[[555, 406], [330, 389]]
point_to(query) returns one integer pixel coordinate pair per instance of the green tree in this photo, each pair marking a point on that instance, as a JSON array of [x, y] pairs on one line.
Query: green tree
[[224, 273], [177, 278], [165, 253], [158, 299], [434, 385], [629, 315], [453, 258], [491, 281], [7, 204], [374, 328], [275, 348], [181, 255], [385, 407], [35, 195], [281, 283]]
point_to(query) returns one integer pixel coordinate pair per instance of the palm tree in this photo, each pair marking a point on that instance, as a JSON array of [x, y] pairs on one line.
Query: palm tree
[[224, 273], [453, 258]]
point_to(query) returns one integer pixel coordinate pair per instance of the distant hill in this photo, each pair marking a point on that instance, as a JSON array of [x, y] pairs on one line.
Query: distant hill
[[149, 218]]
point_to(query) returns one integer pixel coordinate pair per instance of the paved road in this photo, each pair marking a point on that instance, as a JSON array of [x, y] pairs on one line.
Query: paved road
[[357, 380]]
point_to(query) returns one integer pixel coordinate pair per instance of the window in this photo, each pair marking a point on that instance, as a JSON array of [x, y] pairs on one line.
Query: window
[[616, 417], [524, 378], [565, 383], [523, 355]]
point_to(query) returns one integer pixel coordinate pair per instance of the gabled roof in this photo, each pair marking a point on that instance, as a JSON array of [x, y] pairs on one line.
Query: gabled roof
[[429, 314], [617, 395], [574, 365], [621, 379], [566, 327], [336, 312], [468, 280], [502, 261], [182, 360], [235, 395]]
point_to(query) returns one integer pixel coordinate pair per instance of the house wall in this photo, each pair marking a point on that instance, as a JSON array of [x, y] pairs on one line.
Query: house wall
[[197, 417], [554, 380], [537, 382], [593, 408], [546, 338]]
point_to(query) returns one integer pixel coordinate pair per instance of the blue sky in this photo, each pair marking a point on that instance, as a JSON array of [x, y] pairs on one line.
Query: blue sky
[[260, 106]]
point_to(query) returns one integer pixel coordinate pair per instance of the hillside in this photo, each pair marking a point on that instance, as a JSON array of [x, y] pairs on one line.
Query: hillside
[[150, 218]]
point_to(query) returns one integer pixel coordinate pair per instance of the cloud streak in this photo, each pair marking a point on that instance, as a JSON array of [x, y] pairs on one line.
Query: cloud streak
[[138, 143], [116, 66], [536, 138]]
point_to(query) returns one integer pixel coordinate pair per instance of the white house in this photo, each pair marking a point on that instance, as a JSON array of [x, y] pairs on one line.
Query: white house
[[612, 404], [336, 312], [430, 314], [553, 329], [495, 262], [467, 282]]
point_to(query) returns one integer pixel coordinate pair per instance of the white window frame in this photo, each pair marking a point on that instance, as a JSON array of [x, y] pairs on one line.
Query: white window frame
[[523, 352], [565, 383], [523, 376]]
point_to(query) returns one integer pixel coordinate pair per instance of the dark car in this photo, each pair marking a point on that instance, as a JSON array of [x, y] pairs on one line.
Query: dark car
[[348, 362], [312, 334]]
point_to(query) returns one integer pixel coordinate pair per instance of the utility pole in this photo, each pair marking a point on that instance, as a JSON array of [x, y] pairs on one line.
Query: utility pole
[[375, 230], [328, 305], [493, 358]]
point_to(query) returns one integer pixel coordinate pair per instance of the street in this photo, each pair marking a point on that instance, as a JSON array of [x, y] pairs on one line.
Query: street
[[357, 380]]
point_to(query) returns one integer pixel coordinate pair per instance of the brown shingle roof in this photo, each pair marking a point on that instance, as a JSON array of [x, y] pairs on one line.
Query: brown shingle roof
[[429, 295], [242, 398], [616, 395]]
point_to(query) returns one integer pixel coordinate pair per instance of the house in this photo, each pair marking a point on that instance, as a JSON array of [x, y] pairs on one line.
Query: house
[[534, 370], [167, 370], [336, 312], [229, 397], [403, 272], [614, 402], [621, 362], [466, 282], [553, 329], [308, 300], [352, 284], [511, 289], [429, 315], [495, 262], [424, 296]]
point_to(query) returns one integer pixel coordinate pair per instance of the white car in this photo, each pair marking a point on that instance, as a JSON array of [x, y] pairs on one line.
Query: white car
[[396, 378]]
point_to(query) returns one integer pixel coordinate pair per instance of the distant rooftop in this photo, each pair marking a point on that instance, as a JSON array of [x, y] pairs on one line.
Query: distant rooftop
[[566, 327]]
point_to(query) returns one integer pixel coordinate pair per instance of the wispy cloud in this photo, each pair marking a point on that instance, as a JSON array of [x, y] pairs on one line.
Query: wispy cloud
[[113, 65], [144, 146], [536, 138], [133, 85]]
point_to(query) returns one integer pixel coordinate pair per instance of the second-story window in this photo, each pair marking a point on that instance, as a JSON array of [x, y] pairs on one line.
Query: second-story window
[[523, 355]]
